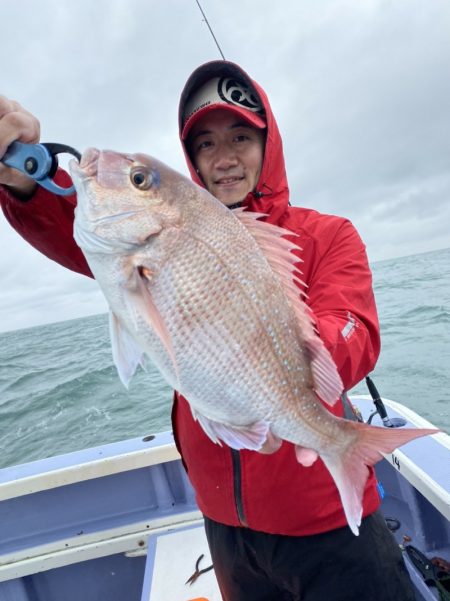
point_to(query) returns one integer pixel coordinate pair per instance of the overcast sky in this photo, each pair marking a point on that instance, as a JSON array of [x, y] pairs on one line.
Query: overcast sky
[[360, 89]]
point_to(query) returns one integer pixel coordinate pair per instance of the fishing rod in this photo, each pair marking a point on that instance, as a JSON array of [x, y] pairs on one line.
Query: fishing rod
[[388, 422], [210, 29]]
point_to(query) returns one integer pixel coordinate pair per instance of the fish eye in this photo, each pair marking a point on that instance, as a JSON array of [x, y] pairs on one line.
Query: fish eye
[[141, 178]]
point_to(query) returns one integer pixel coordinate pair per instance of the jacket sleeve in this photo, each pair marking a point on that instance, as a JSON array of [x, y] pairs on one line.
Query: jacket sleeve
[[341, 297], [46, 222]]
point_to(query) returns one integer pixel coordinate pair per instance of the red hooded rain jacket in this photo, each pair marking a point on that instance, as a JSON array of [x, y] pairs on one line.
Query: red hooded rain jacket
[[270, 493]]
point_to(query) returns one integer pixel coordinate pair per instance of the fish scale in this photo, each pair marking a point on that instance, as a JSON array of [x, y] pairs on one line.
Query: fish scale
[[210, 339], [205, 336]]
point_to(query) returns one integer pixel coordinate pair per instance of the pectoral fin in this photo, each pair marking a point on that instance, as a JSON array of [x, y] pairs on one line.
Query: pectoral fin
[[126, 353], [141, 305]]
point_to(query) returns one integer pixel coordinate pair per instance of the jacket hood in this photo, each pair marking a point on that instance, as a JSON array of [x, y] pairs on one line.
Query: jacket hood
[[271, 194]]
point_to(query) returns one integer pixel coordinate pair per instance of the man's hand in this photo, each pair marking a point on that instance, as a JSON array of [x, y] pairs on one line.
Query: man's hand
[[16, 124]]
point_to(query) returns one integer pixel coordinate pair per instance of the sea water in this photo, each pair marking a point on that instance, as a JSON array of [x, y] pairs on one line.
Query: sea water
[[59, 390]]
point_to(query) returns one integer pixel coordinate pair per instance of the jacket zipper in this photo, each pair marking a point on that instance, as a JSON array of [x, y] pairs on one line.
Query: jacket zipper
[[237, 481]]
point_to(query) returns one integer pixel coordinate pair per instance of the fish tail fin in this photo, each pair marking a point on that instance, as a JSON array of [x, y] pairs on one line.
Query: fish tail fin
[[350, 471]]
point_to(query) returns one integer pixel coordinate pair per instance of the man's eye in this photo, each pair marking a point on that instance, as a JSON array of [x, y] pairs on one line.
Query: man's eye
[[203, 145], [241, 138]]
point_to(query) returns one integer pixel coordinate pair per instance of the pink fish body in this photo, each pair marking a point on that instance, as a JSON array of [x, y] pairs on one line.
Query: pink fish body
[[212, 297]]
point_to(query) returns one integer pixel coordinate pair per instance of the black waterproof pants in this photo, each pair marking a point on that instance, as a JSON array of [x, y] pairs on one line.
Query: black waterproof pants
[[334, 566]]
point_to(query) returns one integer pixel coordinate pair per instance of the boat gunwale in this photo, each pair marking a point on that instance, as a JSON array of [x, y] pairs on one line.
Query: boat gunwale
[[105, 460], [97, 462]]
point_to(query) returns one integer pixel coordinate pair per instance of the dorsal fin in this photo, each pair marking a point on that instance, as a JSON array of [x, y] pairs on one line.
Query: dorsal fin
[[278, 252]]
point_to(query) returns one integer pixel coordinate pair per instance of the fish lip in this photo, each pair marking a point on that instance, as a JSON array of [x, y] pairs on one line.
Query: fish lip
[[87, 167], [89, 161]]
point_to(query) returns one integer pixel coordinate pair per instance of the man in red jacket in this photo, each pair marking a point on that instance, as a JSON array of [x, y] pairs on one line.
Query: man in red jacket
[[276, 528]]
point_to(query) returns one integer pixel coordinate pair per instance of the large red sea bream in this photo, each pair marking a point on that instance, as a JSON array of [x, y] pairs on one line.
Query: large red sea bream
[[211, 296]]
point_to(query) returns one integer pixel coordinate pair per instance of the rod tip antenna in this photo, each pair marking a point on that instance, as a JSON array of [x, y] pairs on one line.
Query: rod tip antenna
[[210, 29]]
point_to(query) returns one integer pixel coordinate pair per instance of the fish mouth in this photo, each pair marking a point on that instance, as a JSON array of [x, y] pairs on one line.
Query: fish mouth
[[89, 161], [88, 165]]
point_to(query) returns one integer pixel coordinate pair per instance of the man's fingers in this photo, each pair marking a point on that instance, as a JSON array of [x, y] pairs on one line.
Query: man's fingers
[[16, 124], [15, 179], [7, 106]]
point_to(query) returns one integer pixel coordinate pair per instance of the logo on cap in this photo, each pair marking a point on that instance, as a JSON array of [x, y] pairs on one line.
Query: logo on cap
[[221, 92], [235, 92]]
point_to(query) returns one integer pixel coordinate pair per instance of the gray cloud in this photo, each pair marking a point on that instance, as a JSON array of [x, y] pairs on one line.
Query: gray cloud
[[360, 91]]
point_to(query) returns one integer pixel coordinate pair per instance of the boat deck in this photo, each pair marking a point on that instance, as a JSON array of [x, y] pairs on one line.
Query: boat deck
[[120, 521], [173, 557]]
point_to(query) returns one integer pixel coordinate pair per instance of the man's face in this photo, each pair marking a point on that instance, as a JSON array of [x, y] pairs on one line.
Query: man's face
[[228, 153]]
